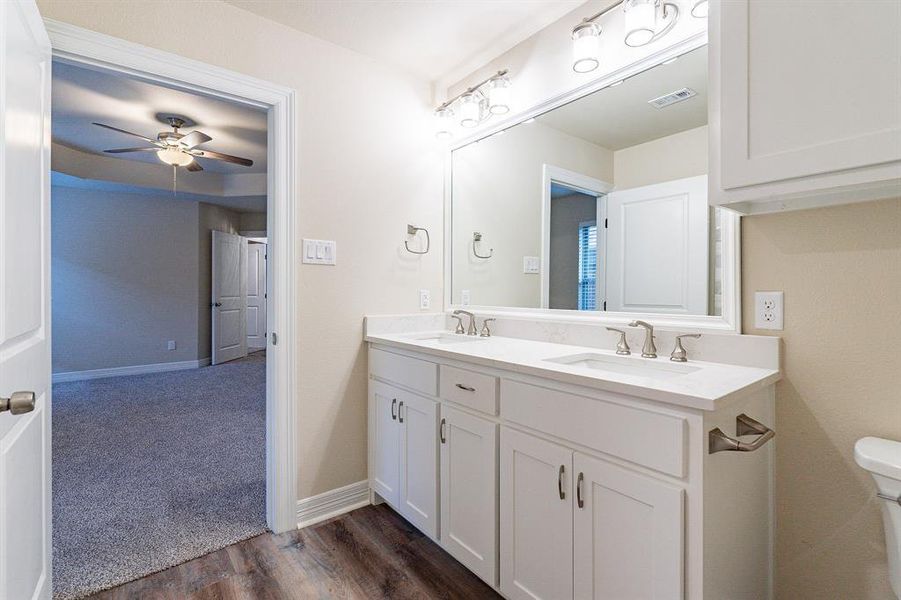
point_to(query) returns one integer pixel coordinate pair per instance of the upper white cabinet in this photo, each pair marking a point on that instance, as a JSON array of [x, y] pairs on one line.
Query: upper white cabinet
[[805, 103]]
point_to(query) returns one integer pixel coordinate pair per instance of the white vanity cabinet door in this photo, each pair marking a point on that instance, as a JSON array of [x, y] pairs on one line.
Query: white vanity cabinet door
[[384, 441], [536, 523], [469, 491], [418, 502], [628, 534]]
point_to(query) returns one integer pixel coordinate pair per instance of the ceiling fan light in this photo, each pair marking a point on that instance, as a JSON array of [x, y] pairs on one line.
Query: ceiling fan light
[[174, 157], [471, 109], [586, 38], [499, 95], [641, 21], [700, 9]]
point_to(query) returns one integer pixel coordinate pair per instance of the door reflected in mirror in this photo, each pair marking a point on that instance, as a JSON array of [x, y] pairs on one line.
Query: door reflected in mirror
[[597, 205]]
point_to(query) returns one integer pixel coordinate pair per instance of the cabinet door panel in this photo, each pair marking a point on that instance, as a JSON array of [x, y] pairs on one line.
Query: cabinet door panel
[[469, 491], [384, 441], [628, 534], [418, 418], [536, 523]]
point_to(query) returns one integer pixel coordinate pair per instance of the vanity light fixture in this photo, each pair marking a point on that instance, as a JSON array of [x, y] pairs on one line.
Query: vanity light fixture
[[474, 106], [699, 10], [641, 17]]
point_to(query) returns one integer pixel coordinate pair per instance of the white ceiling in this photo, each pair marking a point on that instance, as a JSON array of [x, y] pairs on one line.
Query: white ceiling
[[82, 96], [431, 39], [619, 117]]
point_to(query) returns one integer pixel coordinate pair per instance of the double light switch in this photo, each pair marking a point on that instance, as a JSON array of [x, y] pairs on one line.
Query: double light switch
[[319, 252]]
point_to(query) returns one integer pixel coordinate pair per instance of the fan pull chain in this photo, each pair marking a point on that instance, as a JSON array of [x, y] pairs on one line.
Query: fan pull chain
[[174, 179]]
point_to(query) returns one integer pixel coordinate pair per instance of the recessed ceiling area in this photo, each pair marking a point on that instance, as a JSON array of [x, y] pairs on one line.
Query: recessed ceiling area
[[619, 117], [431, 39]]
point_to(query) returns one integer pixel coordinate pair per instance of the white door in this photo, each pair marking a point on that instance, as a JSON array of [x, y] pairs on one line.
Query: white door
[[536, 518], [256, 295], [24, 303], [657, 248], [628, 534], [229, 297], [418, 501], [384, 442], [469, 491]]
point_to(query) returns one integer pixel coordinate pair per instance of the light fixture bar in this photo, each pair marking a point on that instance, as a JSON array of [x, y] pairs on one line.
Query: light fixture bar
[[597, 16], [470, 90]]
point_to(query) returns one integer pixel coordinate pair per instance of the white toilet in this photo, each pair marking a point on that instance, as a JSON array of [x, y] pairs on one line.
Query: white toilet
[[882, 458]]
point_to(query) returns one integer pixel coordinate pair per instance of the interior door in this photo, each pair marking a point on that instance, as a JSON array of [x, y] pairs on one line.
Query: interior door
[[657, 248], [24, 302], [229, 298], [628, 534], [469, 491], [536, 518], [384, 442], [418, 502], [256, 295]]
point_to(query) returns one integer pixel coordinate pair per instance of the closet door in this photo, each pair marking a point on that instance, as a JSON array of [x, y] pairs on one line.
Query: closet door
[[418, 502], [384, 441], [469, 491], [536, 518], [628, 534]]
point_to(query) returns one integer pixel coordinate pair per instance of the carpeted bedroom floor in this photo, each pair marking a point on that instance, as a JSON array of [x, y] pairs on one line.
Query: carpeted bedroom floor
[[152, 470]]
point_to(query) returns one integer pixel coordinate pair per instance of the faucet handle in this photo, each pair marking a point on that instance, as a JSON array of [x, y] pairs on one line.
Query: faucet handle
[[679, 354], [459, 328], [486, 331], [622, 346]]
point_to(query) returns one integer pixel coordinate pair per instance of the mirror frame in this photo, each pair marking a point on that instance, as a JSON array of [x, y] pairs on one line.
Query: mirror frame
[[728, 322]]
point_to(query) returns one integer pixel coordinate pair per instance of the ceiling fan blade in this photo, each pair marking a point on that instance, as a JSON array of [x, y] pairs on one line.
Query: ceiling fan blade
[[226, 157], [193, 166], [137, 135], [195, 138], [120, 150]]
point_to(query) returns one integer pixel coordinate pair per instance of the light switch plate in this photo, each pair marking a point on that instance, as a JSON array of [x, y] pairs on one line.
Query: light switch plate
[[531, 264], [170, 345], [319, 252], [425, 299], [464, 297], [768, 310]]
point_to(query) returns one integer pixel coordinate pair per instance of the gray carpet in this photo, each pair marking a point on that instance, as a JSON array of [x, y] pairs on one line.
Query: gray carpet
[[152, 470]]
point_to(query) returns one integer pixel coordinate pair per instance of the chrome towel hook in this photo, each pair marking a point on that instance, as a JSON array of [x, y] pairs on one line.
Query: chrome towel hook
[[411, 230], [476, 238]]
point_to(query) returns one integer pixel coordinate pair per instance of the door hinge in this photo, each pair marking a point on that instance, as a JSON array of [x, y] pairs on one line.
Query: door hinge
[[605, 223], [265, 257], [605, 305], [274, 339]]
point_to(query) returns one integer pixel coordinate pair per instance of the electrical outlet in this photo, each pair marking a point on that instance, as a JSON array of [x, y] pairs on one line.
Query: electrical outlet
[[425, 299], [531, 265], [768, 310], [464, 297], [170, 345]]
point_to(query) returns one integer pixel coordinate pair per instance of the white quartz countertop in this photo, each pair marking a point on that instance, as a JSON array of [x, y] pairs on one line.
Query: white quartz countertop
[[695, 384]]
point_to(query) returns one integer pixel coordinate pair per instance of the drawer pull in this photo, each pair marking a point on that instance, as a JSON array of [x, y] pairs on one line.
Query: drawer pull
[[744, 425], [466, 387], [560, 483], [400, 416], [579, 481], [441, 431], [393, 412]]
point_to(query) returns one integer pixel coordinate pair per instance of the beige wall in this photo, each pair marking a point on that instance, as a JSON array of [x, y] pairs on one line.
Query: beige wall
[[124, 279], [840, 269], [367, 165], [676, 156], [209, 217], [497, 192]]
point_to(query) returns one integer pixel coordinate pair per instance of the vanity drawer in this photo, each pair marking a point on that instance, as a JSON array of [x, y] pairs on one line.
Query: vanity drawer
[[475, 390], [648, 438], [419, 375]]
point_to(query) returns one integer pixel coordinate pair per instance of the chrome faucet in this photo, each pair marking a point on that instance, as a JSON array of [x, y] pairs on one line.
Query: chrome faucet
[[648, 350], [679, 354], [459, 327], [486, 331], [622, 346], [471, 330]]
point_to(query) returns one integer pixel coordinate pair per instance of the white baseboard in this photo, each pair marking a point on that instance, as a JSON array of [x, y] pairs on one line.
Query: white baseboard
[[130, 370], [330, 504]]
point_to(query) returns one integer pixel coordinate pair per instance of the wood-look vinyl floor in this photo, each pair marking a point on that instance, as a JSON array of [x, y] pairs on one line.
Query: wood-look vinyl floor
[[369, 553]]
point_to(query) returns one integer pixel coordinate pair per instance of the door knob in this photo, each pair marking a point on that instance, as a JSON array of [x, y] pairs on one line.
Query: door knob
[[217, 304], [18, 403]]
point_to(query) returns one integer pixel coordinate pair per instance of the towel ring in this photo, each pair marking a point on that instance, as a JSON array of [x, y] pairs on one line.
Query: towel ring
[[411, 230], [477, 237]]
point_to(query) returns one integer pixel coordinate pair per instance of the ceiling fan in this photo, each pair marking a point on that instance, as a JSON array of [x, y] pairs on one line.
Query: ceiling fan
[[175, 148]]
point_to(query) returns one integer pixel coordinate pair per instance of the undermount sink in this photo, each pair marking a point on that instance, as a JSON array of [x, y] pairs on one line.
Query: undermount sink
[[640, 367], [446, 338]]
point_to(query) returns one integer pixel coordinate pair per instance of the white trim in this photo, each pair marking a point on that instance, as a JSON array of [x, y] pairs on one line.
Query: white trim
[[579, 182], [88, 48], [326, 505], [180, 365]]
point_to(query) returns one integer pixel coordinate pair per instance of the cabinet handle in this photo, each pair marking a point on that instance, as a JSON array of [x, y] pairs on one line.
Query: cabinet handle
[[393, 413], [441, 431], [400, 415], [466, 387], [560, 483], [579, 481]]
